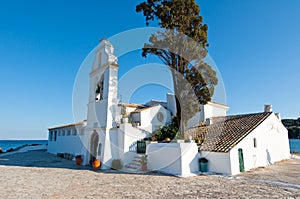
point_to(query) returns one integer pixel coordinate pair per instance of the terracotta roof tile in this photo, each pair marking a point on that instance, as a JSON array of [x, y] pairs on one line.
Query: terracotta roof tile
[[67, 125], [132, 105], [226, 132]]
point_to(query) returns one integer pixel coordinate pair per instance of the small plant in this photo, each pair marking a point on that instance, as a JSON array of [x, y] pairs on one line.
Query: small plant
[[198, 141], [144, 159], [78, 159], [144, 162]]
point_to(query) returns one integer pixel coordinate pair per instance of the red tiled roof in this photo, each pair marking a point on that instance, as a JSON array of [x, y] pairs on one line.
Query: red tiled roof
[[67, 125], [132, 105], [226, 132]]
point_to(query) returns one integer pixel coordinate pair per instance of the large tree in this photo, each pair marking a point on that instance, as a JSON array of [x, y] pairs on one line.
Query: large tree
[[182, 45]]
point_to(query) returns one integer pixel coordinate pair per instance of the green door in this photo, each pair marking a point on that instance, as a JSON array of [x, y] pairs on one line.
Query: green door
[[141, 146], [241, 160]]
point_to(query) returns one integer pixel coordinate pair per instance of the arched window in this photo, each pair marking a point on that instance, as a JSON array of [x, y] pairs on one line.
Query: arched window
[[99, 89], [55, 135], [99, 149]]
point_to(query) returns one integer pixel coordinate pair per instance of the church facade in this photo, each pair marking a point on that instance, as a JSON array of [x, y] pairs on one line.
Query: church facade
[[231, 144], [112, 129]]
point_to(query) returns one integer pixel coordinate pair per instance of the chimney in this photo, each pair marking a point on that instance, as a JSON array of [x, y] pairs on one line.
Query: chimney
[[209, 121], [268, 109]]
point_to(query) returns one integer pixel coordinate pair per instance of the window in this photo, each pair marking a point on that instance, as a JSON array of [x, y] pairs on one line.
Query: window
[[55, 135], [50, 135], [99, 149], [160, 116], [99, 89], [63, 132], [254, 142], [68, 132], [74, 132]]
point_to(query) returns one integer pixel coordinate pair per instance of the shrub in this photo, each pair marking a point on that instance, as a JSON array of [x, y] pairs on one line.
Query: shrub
[[168, 131]]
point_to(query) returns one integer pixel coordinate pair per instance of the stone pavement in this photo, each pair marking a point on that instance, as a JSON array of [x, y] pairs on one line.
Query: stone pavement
[[37, 174]]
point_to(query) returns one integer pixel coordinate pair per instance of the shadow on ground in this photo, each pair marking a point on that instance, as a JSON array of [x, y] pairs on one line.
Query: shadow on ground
[[42, 159]]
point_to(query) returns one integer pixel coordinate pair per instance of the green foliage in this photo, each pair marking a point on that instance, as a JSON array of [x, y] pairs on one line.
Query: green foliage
[[144, 159], [182, 46], [294, 133], [168, 131]]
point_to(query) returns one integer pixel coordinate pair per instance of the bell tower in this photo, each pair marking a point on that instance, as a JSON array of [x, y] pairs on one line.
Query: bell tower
[[103, 102]]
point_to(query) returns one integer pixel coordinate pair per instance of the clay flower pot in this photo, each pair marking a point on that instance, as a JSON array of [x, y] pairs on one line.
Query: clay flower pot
[[144, 163], [144, 167], [78, 159], [96, 164]]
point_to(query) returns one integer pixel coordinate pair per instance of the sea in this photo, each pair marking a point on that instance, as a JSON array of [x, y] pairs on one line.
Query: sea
[[295, 145], [12, 144]]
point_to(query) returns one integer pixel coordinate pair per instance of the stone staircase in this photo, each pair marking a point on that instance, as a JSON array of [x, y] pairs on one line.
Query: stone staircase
[[135, 165]]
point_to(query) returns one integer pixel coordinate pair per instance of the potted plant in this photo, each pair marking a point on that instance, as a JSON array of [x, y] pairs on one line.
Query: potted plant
[[144, 163], [96, 164], [78, 159]]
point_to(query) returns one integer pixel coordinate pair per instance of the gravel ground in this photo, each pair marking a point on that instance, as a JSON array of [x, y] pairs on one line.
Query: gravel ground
[[37, 174]]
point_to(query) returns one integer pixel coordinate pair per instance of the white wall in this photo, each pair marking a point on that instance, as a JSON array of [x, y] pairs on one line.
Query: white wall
[[136, 117], [149, 121], [214, 110], [179, 159], [217, 162], [207, 111], [199, 117], [65, 144], [171, 103], [131, 135], [272, 146]]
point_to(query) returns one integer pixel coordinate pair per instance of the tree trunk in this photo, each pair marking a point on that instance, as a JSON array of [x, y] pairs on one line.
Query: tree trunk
[[178, 100]]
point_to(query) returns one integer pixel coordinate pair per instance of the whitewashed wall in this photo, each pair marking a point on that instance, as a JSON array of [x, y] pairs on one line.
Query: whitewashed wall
[[171, 103], [272, 146], [136, 117], [217, 162], [149, 121], [179, 159], [65, 144], [131, 135], [207, 111], [214, 110]]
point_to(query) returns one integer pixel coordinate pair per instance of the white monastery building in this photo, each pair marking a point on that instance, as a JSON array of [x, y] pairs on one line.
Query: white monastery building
[[231, 144]]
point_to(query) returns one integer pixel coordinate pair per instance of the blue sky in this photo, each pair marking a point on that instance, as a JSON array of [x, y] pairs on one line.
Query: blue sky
[[254, 43]]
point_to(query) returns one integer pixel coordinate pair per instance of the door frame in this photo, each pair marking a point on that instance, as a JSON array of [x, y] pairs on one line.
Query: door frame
[[94, 142]]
